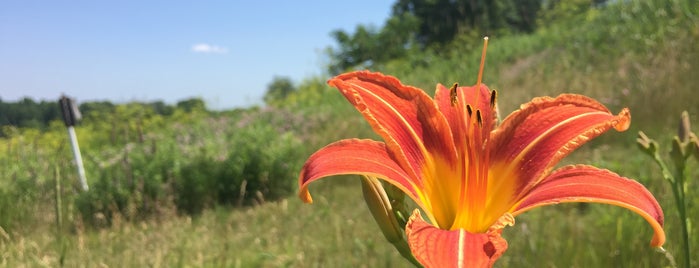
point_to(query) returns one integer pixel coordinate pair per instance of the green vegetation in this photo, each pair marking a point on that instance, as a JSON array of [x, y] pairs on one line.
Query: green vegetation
[[183, 186], [27, 113]]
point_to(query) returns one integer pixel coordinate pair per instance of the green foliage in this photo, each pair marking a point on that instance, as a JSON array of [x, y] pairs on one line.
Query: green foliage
[[142, 164], [338, 231], [684, 146], [190, 163], [96, 108], [16, 200], [418, 25], [564, 11], [159, 107], [261, 166], [310, 94], [28, 113], [368, 45], [442, 20], [192, 104], [278, 90]]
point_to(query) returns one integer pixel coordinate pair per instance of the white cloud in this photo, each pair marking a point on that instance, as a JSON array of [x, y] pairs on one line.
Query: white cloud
[[206, 48]]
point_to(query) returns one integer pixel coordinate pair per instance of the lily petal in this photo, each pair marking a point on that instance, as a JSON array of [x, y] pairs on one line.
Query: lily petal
[[532, 140], [354, 156], [582, 183], [434, 247], [405, 117]]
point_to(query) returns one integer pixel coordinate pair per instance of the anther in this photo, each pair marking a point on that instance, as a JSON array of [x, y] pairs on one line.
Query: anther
[[469, 110], [493, 96], [479, 119], [452, 93]]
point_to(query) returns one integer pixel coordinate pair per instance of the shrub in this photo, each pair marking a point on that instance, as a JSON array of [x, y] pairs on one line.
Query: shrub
[[260, 167]]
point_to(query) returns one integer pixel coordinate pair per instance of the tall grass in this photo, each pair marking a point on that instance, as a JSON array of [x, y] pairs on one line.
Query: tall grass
[[150, 166]]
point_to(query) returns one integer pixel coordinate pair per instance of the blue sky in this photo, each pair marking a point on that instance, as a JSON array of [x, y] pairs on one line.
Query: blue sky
[[225, 52]]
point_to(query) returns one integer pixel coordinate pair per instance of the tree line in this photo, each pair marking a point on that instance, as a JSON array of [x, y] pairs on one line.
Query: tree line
[[28, 113], [417, 25]]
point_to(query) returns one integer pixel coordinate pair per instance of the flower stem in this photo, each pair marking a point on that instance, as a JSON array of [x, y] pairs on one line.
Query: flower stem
[[682, 209], [677, 182]]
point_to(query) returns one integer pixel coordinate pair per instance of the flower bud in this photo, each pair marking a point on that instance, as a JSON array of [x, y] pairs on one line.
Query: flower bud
[[380, 207], [646, 144], [694, 145], [684, 145], [678, 153], [684, 128]]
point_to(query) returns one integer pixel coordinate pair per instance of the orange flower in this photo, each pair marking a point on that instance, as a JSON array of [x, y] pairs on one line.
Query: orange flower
[[470, 175]]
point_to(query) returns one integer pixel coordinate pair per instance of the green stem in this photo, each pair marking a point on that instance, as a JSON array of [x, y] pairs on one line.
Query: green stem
[[663, 168], [682, 209], [677, 183]]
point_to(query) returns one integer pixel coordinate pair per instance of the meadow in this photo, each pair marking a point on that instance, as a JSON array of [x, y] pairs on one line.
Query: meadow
[[218, 189]]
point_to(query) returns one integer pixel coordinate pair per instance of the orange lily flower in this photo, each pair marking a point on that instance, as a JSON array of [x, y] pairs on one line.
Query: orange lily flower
[[470, 174]]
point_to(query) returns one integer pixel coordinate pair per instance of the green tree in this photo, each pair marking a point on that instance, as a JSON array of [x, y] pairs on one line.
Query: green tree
[[96, 109], [278, 90], [558, 10], [28, 113], [420, 24], [192, 104], [369, 45], [441, 20], [161, 108]]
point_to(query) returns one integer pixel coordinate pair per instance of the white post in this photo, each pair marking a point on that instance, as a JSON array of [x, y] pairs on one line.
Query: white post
[[78, 157]]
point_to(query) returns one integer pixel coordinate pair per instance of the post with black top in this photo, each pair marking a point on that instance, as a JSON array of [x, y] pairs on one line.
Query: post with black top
[[71, 115]]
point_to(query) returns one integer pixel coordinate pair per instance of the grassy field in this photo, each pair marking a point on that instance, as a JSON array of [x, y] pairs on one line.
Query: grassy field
[[149, 205], [338, 231]]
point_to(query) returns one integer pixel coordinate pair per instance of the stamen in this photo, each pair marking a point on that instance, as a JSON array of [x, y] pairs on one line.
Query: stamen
[[469, 110], [479, 119], [480, 70], [477, 101], [452, 93], [493, 96]]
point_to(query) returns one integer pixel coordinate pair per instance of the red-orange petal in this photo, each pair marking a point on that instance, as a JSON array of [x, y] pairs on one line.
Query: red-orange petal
[[434, 247], [582, 183], [354, 156], [404, 116], [535, 138]]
